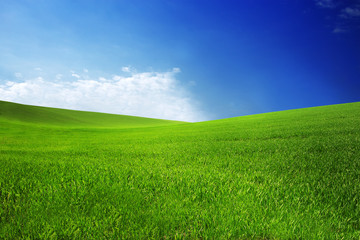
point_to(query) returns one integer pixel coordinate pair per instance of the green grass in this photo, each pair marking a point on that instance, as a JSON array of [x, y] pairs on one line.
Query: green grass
[[25, 114], [283, 175]]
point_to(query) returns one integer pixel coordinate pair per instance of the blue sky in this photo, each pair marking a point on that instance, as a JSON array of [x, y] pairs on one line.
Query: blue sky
[[188, 60]]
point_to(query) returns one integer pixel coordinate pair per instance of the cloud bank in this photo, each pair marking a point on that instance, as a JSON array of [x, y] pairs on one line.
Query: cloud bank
[[146, 94]]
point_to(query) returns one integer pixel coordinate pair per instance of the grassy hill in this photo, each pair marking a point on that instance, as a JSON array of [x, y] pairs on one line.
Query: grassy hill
[[283, 175], [19, 113]]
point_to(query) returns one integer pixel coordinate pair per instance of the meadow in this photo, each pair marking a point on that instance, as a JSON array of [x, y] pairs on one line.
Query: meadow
[[77, 175]]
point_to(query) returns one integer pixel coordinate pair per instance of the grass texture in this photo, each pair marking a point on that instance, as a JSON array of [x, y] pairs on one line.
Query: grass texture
[[77, 175]]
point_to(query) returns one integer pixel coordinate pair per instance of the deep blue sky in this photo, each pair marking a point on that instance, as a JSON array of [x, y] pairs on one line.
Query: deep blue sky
[[236, 57]]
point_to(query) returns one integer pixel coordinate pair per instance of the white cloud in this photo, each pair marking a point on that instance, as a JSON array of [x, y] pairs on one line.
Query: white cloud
[[147, 94], [126, 69], [325, 3], [18, 75], [350, 12], [75, 75], [346, 14], [339, 30], [59, 76], [176, 70]]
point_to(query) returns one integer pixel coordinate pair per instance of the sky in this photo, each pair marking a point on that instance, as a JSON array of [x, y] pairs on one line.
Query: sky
[[189, 60]]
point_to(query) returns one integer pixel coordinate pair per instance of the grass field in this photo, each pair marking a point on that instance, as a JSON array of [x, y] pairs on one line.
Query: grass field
[[76, 175]]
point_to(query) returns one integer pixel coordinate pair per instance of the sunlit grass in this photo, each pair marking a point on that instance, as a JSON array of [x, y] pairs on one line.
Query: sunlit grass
[[283, 175]]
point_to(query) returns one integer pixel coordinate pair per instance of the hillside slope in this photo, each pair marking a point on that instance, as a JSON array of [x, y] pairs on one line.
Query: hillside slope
[[283, 175], [296, 121], [20, 113]]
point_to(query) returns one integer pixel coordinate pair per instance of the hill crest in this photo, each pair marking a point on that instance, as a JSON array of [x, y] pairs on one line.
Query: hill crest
[[29, 114]]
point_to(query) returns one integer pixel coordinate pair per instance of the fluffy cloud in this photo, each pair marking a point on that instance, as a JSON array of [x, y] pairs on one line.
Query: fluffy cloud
[[147, 94]]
